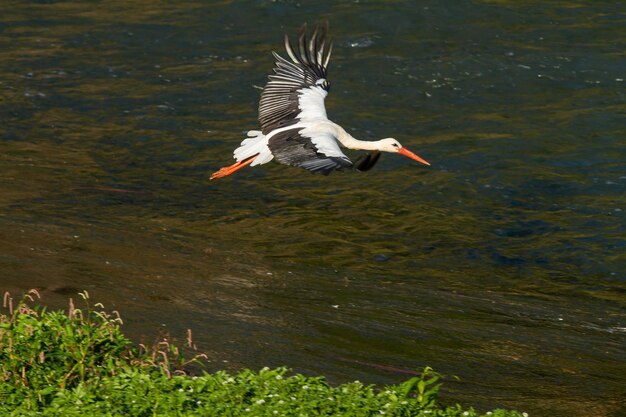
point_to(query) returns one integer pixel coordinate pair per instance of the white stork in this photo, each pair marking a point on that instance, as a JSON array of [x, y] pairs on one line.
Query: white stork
[[294, 126]]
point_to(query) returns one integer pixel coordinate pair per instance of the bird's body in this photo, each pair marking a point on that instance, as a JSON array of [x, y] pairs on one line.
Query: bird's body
[[295, 129]]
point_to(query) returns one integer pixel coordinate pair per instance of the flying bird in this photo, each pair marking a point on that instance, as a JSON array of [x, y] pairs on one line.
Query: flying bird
[[294, 127]]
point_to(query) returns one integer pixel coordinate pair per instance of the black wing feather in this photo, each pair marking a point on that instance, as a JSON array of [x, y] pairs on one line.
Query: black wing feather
[[279, 105], [291, 148]]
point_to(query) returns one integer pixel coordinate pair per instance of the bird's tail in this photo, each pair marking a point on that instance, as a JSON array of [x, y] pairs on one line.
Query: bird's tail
[[252, 151], [254, 144]]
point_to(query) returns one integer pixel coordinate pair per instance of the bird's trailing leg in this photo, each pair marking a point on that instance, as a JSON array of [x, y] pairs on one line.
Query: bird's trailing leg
[[223, 172]]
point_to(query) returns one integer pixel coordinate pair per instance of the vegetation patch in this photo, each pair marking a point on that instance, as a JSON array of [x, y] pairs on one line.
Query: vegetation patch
[[78, 363]]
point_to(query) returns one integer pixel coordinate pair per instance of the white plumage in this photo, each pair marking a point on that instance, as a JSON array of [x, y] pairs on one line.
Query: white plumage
[[255, 144], [311, 104]]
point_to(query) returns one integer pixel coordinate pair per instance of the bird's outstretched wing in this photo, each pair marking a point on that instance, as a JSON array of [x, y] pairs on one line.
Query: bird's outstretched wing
[[296, 90], [318, 154]]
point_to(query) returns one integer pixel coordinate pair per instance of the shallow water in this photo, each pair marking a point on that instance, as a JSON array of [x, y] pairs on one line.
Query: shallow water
[[504, 263]]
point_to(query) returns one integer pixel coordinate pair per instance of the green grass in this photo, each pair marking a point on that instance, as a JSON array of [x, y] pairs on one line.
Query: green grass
[[78, 363]]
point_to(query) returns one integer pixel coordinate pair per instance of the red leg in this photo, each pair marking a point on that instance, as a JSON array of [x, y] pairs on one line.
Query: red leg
[[223, 172]]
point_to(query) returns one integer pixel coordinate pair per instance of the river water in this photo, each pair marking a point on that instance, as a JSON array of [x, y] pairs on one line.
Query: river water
[[503, 263]]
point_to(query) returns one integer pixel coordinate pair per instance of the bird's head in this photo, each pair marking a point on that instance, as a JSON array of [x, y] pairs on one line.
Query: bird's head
[[393, 146]]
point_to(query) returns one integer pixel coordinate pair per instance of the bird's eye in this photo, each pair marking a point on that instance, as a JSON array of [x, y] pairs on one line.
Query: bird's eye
[[395, 145]]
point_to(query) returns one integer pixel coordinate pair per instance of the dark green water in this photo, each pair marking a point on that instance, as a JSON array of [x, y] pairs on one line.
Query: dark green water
[[504, 263]]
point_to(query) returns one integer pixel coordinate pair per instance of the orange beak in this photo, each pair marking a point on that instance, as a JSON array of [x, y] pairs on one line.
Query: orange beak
[[409, 154]]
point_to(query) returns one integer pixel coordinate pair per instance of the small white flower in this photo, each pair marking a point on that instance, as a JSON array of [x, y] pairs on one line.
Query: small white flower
[[275, 412], [466, 413], [231, 379], [281, 402], [265, 369], [404, 403], [305, 387], [180, 390], [198, 402], [489, 413], [279, 377], [261, 401], [247, 409], [524, 413]]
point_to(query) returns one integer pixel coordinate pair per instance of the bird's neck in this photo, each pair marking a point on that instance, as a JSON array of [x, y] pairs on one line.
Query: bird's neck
[[350, 142]]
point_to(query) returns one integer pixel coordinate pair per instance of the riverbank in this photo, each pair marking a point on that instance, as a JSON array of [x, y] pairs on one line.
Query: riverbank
[[78, 362]]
